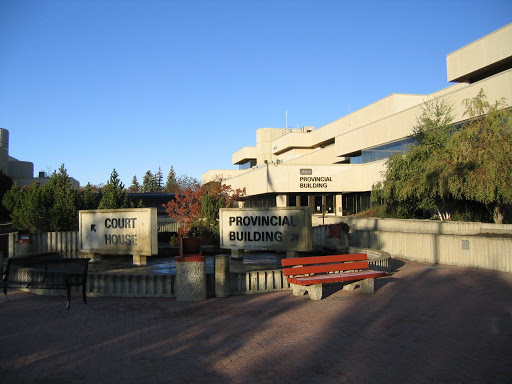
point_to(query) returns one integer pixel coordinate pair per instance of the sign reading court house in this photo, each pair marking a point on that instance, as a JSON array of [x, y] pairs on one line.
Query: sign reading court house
[[266, 229], [130, 231]]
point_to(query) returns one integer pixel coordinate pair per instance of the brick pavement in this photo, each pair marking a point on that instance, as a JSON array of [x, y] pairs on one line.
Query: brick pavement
[[424, 324]]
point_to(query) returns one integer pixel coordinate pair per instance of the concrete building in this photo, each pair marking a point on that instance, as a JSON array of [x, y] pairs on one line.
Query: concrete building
[[19, 171], [333, 168]]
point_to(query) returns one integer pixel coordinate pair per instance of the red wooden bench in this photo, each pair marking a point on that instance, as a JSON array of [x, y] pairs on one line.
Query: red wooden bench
[[309, 273]]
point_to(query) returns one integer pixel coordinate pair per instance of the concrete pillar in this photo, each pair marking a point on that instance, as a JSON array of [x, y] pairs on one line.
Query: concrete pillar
[[292, 254], [311, 203], [281, 201], [93, 256], [339, 205], [139, 260], [237, 254], [191, 278], [297, 200], [12, 245], [222, 277]]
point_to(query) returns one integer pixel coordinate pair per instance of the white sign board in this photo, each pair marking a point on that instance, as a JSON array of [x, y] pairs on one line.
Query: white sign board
[[119, 231], [266, 229]]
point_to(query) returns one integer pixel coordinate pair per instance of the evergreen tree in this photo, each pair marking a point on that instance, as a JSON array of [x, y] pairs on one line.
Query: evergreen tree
[[148, 182], [62, 200], [5, 185], [159, 180], [25, 206], [135, 187], [114, 194], [171, 186], [88, 198]]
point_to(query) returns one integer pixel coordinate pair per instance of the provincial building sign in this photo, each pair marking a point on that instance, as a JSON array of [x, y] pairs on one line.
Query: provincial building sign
[[266, 229], [308, 181]]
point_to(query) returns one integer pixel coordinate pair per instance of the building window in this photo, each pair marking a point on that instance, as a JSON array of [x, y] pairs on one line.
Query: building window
[[356, 202], [248, 164], [318, 204], [292, 200], [329, 204], [383, 151]]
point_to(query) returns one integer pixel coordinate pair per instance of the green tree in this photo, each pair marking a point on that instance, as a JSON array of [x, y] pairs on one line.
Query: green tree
[[412, 180], [47, 208], [5, 185], [114, 194], [88, 198], [148, 183], [62, 202], [171, 186], [159, 180], [479, 165], [25, 207], [135, 186]]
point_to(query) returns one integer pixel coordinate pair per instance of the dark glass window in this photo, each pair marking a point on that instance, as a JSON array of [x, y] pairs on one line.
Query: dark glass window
[[329, 204], [247, 165], [383, 151]]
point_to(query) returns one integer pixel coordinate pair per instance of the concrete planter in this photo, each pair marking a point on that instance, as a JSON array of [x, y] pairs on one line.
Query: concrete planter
[[191, 278]]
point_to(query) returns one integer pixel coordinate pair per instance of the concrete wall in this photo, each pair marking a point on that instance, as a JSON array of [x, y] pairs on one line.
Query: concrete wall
[[479, 245], [483, 53]]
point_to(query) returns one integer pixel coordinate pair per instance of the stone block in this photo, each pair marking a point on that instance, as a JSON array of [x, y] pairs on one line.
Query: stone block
[[191, 278], [367, 285]]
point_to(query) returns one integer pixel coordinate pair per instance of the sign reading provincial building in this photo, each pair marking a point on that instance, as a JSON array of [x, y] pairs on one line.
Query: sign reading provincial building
[[127, 231], [308, 181], [266, 229]]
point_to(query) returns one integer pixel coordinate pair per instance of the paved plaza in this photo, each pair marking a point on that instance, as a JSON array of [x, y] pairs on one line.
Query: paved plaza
[[424, 324]]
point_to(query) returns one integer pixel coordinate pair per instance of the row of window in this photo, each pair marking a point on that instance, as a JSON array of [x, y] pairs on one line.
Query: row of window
[[382, 151], [321, 203], [351, 202]]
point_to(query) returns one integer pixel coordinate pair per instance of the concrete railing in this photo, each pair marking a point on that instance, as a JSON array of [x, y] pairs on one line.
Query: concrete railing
[[479, 245], [258, 282], [66, 243]]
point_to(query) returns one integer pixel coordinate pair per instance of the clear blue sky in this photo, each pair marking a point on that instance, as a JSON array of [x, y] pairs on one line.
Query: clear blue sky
[[134, 85]]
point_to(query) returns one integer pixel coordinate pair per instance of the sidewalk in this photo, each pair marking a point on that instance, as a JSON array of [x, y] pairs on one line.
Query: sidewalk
[[423, 324]]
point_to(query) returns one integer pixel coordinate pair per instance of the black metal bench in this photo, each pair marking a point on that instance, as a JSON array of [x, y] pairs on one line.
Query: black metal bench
[[45, 273]]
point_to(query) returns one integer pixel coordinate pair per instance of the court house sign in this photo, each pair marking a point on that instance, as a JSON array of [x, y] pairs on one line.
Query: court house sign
[[131, 231]]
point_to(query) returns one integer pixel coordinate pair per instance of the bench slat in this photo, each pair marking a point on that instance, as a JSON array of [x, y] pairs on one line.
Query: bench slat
[[324, 268], [335, 277], [323, 259]]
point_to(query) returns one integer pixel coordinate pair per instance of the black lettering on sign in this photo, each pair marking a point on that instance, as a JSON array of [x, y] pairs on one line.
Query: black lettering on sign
[[260, 221], [255, 236], [120, 222], [120, 239]]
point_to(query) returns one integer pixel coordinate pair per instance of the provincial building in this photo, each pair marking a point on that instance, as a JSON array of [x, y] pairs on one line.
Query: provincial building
[[332, 169]]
